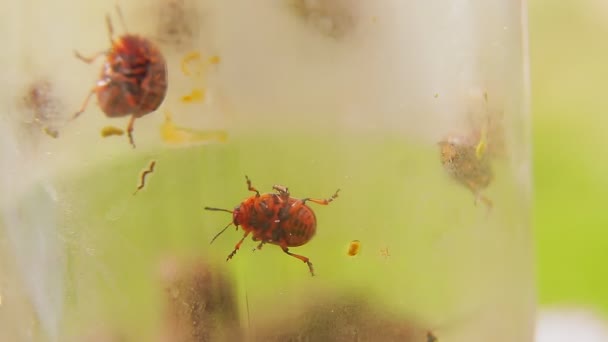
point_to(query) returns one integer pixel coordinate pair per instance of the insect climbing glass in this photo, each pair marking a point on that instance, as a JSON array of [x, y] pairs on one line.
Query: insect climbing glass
[[416, 111]]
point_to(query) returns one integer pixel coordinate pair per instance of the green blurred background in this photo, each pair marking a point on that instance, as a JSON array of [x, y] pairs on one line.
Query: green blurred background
[[569, 71]]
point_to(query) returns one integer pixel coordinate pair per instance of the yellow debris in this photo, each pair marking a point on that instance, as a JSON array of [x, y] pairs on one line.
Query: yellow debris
[[482, 145], [192, 59], [111, 130], [51, 132], [354, 247], [214, 60], [172, 134], [197, 95]]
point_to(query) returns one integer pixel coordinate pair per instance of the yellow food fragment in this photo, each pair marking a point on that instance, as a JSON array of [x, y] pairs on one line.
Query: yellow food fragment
[[354, 247], [197, 95], [482, 145], [51, 132], [111, 130], [172, 134], [214, 60], [192, 59]]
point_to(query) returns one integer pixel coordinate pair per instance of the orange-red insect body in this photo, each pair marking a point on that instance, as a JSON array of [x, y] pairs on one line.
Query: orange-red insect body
[[276, 218], [133, 78]]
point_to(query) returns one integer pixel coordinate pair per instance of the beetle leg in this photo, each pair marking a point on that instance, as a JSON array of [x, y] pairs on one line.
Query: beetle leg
[[322, 201], [236, 248], [301, 257], [251, 188], [259, 245], [91, 59], [488, 202], [85, 103], [130, 130]]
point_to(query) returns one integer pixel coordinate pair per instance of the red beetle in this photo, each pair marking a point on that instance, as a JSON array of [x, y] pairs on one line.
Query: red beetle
[[133, 78], [275, 218]]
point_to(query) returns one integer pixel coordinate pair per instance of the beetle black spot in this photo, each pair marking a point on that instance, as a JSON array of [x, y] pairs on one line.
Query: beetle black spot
[[283, 213]]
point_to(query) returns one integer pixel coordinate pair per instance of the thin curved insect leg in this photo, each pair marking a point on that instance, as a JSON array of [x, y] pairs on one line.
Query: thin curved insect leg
[[130, 130], [237, 247], [488, 202], [251, 188], [259, 246], [301, 257], [85, 103], [322, 201]]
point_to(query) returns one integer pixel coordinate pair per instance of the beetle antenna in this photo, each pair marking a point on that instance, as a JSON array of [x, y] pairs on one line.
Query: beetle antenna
[[220, 233], [219, 209], [121, 18], [110, 29]]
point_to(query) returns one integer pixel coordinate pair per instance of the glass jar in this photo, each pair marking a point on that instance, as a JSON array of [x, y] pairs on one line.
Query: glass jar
[[416, 111]]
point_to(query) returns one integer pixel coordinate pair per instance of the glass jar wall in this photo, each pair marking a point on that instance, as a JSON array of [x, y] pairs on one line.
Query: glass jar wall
[[417, 112]]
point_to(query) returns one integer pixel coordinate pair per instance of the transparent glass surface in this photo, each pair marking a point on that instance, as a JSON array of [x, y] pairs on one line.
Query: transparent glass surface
[[416, 111]]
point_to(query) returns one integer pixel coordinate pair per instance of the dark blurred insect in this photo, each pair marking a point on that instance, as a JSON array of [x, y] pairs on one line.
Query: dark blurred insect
[[333, 18], [275, 218], [430, 337], [44, 105], [199, 302], [354, 247], [468, 158], [178, 22], [133, 78], [463, 161]]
